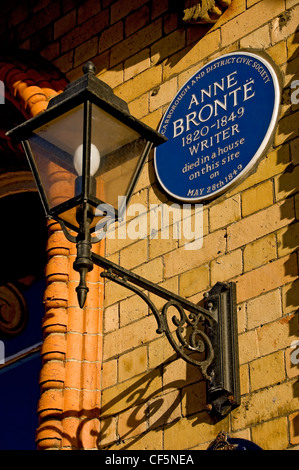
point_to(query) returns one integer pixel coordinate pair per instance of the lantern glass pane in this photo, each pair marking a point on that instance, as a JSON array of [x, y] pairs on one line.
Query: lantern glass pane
[[120, 149], [53, 147]]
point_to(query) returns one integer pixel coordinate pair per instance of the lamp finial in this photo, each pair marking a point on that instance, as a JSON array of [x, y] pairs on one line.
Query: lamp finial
[[89, 67]]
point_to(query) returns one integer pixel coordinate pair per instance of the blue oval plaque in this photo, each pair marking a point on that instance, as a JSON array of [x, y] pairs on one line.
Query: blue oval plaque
[[218, 125]]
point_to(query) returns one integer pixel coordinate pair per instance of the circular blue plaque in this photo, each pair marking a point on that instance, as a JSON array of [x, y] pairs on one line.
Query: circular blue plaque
[[218, 125]]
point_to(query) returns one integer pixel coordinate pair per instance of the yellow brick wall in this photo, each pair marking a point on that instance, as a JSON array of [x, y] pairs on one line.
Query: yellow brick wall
[[151, 399]]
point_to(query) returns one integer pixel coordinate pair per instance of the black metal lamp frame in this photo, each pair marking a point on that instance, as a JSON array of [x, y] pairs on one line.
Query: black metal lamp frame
[[207, 336]]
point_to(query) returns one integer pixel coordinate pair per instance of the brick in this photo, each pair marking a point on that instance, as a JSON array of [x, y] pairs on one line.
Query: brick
[[297, 205], [234, 9], [152, 271], [250, 20], [160, 246], [286, 130], [191, 55], [74, 346], [179, 373], [52, 375], [194, 398], [259, 252], [85, 51], [42, 18], [266, 278], [285, 184], [140, 84], [242, 317], [168, 46], [130, 336], [137, 64], [291, 45], [277, 335], [111, 318], [268, 370], [248, 347], [49, 434], [90, 374], [295, 151], [115, 293], [294, 428], [164, 409], [271, 435], [244, 379], [73, 374], [266, 404], [160, 351], [288, 239], [290, 297], [52, 401], [163, 95], [84, 31], [285, 24], [131, 364], [134, 254], [132, 309], [133, 44], [272, 164], [139, 109], [137, 20], [257, 39], [92, 347], [225, 213], [153, 119], [51, 51], [109, 374], [264, 309], [65, 24], [257, 198], [108, 432], [278, 52], [183, 260], [291, 357], [171, 285], [127, 394], [111, 36], [170, 22], [187, 438], [128, 427], [194, 281], [158, 8], [57, 268], [226, 267], [260, 224], [122, 8], [88, 9], [54, 347]]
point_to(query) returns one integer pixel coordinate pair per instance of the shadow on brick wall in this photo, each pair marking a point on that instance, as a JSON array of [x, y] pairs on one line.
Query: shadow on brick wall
[[131, 418], [288, 132], [154, 410]]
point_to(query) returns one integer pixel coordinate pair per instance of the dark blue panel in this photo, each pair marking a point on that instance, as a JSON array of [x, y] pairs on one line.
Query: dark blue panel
[[19, 394], [32, 335]]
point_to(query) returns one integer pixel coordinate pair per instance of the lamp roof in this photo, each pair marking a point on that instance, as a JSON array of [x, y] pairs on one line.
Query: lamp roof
[[87, 87]]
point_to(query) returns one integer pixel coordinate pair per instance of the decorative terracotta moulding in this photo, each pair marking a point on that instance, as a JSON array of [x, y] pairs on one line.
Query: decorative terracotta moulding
[[204, 11]]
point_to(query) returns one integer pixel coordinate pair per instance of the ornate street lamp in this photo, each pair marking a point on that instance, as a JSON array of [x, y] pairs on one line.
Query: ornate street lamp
[[85, 151]]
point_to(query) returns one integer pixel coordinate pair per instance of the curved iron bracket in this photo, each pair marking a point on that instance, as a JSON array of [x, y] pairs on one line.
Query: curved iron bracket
[[205, 337]]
